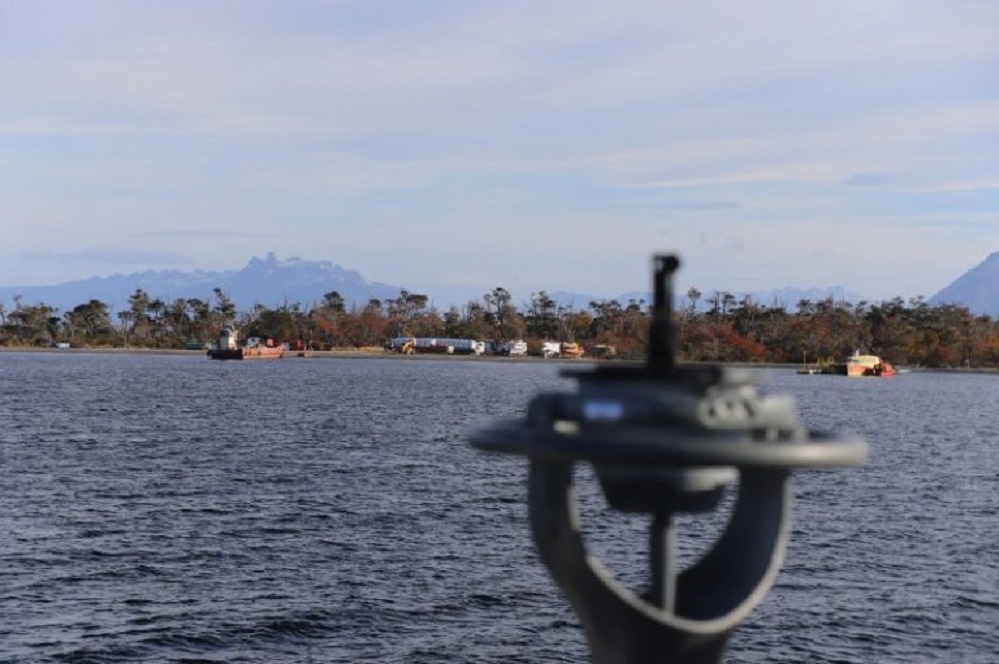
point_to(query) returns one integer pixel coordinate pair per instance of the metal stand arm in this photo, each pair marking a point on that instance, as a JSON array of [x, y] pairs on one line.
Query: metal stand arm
[[713, 596]]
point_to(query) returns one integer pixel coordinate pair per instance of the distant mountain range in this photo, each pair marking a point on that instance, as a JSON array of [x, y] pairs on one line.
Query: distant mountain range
[[268, 281], [272, 282]]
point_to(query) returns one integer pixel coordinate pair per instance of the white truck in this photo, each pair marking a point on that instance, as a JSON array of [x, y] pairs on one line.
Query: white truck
[[551, 349], [513, 348]]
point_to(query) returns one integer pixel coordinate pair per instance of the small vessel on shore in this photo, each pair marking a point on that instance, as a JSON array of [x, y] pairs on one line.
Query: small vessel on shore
[[823, 366], [864, 365], [567, 349], [229, 348]]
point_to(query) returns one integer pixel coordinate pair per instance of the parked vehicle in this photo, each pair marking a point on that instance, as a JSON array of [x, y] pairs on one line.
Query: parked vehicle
[[513, 348], [603, 351], [411, 345]]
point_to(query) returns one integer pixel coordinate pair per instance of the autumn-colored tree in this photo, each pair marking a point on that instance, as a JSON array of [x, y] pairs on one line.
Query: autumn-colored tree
[[507, 323], [32, 324], [543, 317], [89, 323]]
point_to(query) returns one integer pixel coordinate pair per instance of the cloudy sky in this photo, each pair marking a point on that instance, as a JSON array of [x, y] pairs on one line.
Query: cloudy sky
[[450, 146]]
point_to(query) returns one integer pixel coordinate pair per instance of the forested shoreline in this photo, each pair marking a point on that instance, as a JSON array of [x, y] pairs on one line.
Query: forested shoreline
[[716, 328]]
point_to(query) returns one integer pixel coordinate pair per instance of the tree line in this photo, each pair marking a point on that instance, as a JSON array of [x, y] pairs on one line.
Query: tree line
[[716, 328]]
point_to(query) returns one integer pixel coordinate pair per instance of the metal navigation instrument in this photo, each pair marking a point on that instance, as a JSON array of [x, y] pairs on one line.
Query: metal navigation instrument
[[666, 439]]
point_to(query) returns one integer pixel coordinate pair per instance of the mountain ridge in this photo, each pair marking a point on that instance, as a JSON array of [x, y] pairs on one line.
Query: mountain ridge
[[977, 289], [268, 281], [274, 282]]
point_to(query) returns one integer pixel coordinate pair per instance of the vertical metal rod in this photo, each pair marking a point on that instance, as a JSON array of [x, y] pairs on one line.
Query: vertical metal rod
[[662, 562], [661, 343]]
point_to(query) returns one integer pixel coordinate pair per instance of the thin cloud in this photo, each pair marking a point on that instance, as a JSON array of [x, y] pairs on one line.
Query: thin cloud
[[367, 131]]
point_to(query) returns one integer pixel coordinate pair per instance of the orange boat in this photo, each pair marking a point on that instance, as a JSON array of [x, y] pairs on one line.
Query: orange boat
[[864, 365], [572, 350]]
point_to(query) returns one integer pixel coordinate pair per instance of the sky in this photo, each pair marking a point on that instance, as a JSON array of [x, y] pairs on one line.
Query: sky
[[453, 146]]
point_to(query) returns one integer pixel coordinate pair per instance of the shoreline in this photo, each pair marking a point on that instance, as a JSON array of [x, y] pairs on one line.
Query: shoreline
[[374, 352], [377, 352]]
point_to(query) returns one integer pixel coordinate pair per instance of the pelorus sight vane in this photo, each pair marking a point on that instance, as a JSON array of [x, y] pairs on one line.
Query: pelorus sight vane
[[663, 439]]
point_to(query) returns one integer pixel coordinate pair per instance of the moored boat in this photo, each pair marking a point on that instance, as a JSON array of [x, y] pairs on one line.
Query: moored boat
[[823, 366], [229, 348], [567, 349], [864, 365]]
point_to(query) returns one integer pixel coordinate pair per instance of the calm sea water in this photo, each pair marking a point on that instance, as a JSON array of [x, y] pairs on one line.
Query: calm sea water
[[173, 509]]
